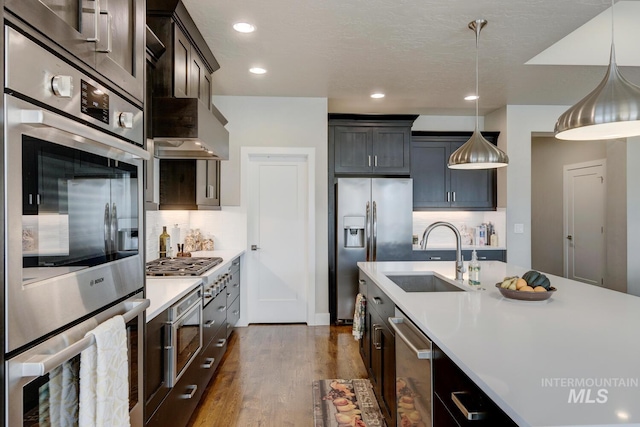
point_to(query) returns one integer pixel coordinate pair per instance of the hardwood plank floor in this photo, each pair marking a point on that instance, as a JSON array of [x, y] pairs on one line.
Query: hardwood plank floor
[[265, 377]]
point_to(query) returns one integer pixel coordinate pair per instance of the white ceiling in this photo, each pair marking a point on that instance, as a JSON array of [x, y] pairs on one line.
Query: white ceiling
[[420, 53]]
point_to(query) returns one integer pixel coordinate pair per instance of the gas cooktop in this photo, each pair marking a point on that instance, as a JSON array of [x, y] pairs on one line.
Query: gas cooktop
[[188, 266]]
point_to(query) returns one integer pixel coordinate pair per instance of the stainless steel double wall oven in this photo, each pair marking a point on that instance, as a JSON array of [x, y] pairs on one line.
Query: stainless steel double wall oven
[[73, 170]]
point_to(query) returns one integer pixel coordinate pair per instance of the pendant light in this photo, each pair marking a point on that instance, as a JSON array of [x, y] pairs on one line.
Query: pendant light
[[611, 111], [477, 152]]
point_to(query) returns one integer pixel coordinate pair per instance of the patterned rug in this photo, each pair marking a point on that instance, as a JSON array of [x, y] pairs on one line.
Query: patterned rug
[[341, 403]]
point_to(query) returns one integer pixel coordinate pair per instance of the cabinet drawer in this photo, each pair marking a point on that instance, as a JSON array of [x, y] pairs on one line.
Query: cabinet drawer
[[379, 301], [214, 316], [217, 348], [233, 315], [449, 379]]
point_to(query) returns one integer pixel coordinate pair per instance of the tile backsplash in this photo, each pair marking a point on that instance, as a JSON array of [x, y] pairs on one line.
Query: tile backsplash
[[444, 238], [226, 227]]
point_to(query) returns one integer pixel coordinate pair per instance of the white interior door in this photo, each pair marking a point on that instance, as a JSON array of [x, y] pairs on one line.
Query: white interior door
[[278, 234], [584, 209]]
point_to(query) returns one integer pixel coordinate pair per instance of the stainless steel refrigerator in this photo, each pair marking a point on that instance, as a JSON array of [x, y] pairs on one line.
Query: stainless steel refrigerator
[[374, 223]]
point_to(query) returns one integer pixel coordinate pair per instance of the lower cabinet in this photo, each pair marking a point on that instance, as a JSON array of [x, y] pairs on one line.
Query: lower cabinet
[[173, 407], [379, 356], [458, 401]]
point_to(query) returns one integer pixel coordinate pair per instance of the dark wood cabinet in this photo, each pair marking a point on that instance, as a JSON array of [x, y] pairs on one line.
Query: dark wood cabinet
[[189, 184], [448, 379], [435, 186], [185, 70], [379, 355], [369, 145]]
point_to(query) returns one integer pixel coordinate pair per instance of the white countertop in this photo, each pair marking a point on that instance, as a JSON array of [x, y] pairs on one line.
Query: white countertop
[[163, 291], [525, 355]]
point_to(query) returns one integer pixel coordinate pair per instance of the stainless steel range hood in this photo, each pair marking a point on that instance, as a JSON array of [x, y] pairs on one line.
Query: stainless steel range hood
[[183, 128]]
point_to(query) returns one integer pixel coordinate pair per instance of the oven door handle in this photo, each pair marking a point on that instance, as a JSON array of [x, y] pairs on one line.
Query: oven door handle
[[41, 364], [40, 118]]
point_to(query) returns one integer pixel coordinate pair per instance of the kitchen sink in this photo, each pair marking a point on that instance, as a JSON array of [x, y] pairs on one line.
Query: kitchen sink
[[423, 283]]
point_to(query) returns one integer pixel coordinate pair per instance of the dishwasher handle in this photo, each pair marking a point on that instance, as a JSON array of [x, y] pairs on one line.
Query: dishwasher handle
[[404, 329]]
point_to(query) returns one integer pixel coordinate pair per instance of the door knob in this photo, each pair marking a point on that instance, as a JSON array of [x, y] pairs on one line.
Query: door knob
[[254, 247], [569, 237]]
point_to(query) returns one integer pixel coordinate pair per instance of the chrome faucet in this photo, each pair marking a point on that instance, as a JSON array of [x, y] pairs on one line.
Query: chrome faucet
[[459, 263]]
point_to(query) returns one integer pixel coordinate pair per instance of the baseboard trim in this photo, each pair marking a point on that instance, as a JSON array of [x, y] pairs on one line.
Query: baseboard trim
[[322, 319]]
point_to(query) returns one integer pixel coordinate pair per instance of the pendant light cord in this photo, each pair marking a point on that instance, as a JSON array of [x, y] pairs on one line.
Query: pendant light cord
[[478, 28], [613, 48]]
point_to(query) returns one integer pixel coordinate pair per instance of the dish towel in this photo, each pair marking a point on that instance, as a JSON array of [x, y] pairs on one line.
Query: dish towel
[[104, 377], [358, 317], [61, 408]]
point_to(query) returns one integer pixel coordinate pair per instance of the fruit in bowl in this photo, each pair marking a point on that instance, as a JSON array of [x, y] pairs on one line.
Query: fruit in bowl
[[533, 285]]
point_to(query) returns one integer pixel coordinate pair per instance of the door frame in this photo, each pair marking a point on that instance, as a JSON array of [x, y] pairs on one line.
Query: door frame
[[309, 154], [565, 206]]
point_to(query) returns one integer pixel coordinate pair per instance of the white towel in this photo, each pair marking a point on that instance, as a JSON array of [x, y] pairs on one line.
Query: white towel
[[104, 377], [62, 393]]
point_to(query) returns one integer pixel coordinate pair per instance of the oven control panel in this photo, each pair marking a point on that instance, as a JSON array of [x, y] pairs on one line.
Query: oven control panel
[[37, 73]]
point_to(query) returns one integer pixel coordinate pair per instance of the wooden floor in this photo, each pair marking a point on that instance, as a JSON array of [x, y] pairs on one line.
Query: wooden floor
[[265, 377]]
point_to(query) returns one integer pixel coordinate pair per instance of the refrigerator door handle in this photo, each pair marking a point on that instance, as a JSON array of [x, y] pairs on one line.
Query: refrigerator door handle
[[375, 232], [367, 232]]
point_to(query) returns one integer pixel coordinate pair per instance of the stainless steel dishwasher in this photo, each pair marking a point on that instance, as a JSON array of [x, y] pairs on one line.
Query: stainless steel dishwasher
[[413, 373]]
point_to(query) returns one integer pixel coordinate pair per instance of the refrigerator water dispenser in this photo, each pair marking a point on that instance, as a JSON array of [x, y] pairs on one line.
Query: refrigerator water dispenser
[[353, 231]]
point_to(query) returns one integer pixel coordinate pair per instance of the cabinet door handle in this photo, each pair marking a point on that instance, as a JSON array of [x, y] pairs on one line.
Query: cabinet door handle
[[376, 342], [435, 258], [96, 13], [362, 282], [223, 308], [221, 342], [237, 285], [454, 196], [375, 160], [192, 391], [209, 323], [468, 414], [208, 362], [377, 300], [109, 32], [369, 160], [448, 196], [482, 257]]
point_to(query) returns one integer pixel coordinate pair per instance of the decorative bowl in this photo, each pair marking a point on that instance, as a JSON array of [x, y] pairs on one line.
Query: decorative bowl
[[525, 296]]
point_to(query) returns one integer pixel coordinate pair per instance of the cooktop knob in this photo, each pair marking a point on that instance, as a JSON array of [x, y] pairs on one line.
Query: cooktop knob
[[62, 86]]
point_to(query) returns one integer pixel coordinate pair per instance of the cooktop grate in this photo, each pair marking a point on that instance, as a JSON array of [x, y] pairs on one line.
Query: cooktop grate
[[188, 266]]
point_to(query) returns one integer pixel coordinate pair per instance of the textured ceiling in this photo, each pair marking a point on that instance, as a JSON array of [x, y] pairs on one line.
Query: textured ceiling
[[420, 53]]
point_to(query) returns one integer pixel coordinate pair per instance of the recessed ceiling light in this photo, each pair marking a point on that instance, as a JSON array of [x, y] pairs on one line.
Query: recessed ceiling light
[[244, 27], [471, 97], [377, 95], [257, 70]]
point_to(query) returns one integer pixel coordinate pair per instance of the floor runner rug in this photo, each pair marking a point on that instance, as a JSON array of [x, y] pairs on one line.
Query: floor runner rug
[[342, 403]]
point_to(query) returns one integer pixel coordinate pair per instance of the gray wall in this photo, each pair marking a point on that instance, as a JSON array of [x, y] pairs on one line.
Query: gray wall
[[548, 157]]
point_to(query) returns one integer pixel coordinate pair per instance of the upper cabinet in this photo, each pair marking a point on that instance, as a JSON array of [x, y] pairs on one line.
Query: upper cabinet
[[185, 123], [435, 186], [107, 36], [187, 66], [370, 145]]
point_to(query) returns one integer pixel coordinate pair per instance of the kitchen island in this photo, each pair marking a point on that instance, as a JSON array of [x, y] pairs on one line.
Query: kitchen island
[[567, 361]]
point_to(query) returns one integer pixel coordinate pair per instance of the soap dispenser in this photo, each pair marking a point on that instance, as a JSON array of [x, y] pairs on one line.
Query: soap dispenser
[[474, 270]]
